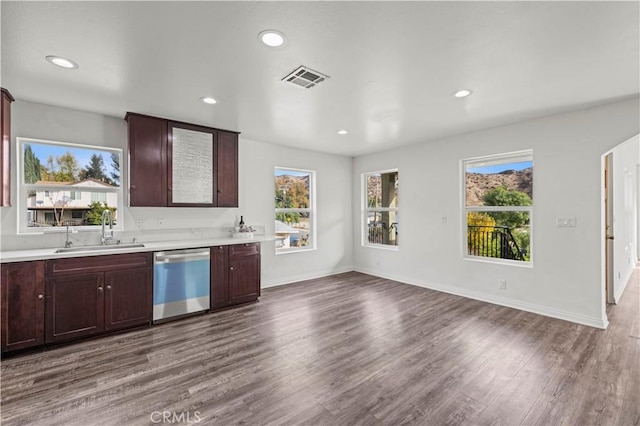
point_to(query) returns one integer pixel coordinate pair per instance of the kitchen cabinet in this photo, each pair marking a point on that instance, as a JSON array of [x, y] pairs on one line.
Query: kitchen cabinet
[[91, 295], [22, 322], [235, 274], [176, 164], [227, 170], [5, 149], [147, 161]]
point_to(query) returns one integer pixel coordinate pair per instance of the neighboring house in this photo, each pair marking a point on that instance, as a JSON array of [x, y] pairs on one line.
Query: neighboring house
[[69, 204]]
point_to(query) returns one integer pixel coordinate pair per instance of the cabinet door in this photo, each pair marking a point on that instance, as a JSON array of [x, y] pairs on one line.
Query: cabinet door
[[22, 305], [127, 298], [191, 165], [147, 161], [74, 307], [227, 169], [5, 149], [244, 273], [219, 283]]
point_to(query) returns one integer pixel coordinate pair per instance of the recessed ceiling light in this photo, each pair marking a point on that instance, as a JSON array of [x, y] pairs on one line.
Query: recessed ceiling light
[[62, 62], [462, 93], [208, 100], [342, 132], [272, 38]]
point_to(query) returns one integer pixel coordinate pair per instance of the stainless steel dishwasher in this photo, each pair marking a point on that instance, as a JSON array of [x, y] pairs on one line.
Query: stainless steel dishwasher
[[181, 282]]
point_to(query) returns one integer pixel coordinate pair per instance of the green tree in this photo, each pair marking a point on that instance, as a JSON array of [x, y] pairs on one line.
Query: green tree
[[115, 165], [32, 166], [95, 169], [94, 215], [501, 196], [63, 168]]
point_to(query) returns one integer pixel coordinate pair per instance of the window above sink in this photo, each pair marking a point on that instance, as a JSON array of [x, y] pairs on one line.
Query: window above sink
[[62, 184]]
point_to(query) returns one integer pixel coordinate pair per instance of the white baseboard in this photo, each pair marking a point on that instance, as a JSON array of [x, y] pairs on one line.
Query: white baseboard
[[304, 277], [496, 300], [618, 291]]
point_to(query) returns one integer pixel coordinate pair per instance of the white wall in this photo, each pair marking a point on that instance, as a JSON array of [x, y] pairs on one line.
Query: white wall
[[564, 281], [626, 159], [256, 192], [565, 278]]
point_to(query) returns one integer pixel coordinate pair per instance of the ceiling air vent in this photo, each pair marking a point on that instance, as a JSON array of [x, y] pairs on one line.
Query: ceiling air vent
[[305, 77]]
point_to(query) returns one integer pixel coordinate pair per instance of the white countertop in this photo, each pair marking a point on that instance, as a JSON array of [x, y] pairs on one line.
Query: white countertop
[[50, 253]]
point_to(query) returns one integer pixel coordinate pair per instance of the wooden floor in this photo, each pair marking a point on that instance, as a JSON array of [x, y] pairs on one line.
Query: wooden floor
[[348, 349]]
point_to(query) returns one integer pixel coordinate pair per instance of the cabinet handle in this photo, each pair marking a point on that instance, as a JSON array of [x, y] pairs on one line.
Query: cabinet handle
[[100, 289], [108, 287], [220, 248], [231, 268], [40, 296], [132, 186]]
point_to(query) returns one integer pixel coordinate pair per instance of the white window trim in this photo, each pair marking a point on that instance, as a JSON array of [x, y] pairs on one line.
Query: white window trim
[[311, 210], [23, 188], [365, 209], [493, 160]]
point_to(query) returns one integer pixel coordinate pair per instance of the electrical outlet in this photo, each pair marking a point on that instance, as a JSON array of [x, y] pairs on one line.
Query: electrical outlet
[[503, 284], [444, 219], [566, 221]]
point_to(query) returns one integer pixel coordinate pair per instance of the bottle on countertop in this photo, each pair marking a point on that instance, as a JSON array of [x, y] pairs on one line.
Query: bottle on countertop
[[241, 224]]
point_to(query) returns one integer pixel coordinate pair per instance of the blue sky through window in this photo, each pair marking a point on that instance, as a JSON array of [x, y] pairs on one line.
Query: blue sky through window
[[42, 151], [497, 168]]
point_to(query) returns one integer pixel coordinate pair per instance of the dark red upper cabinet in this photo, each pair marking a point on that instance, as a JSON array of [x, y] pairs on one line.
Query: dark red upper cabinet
[[5, 150], [147, 161], [176, 164], [227, 171]]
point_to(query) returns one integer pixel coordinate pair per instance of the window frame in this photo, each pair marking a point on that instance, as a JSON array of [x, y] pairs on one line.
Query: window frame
[[311, 211], [495, 159], [365, 210], [23, 188]]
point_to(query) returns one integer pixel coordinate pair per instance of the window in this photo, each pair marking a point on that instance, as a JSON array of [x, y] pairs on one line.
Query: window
[[380, 212], [295, 210], [498, 207], [100, 197], [62, 183]]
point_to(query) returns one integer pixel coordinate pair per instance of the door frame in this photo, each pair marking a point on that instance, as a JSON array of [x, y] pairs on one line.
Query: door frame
[[608, 227]]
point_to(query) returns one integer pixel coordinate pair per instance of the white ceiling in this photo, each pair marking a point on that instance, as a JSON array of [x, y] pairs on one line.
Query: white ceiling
[[393, 65]]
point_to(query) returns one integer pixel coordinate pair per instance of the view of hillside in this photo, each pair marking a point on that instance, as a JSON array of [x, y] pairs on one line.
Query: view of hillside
[[477, 184], [499, 233]]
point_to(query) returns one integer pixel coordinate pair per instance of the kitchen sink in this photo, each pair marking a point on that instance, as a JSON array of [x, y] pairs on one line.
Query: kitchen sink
[[99, 248]]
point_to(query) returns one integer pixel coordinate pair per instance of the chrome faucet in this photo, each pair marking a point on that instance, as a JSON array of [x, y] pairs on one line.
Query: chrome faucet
[[106, 214]]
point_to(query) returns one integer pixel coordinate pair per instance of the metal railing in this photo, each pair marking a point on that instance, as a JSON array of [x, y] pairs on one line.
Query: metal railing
[[493, 241], [378, 230]]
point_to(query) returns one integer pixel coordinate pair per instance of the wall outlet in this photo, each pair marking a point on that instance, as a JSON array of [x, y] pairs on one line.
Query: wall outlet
[[444, 219], [503, 284], [160, 222], [140, 224], [566, 221]]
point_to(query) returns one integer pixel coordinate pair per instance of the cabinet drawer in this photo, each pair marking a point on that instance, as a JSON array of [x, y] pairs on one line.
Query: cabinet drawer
[[246, 249], [99, 263]]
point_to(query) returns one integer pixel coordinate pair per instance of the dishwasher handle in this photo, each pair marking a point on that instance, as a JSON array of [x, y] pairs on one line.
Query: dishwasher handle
[[181, 256]]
